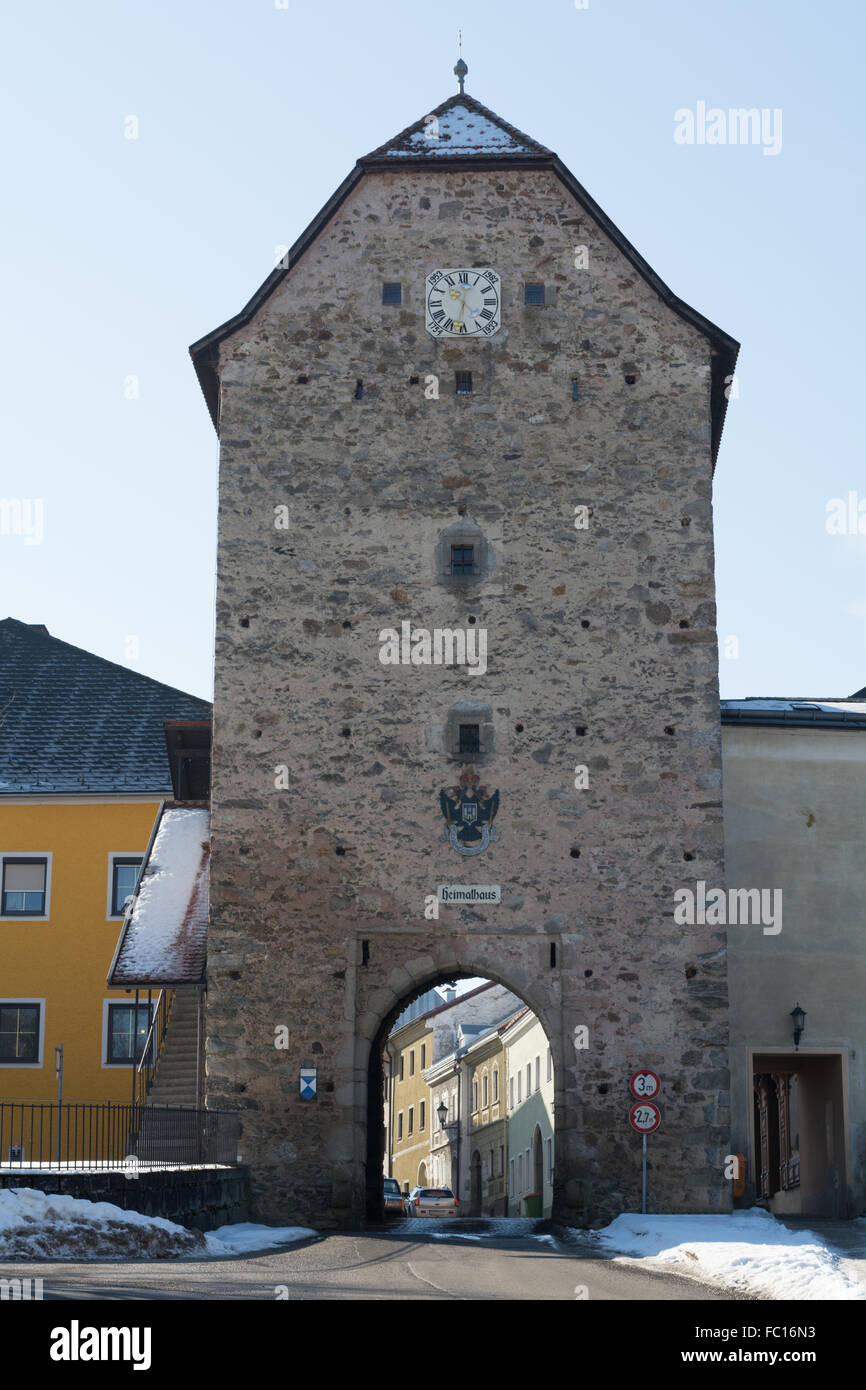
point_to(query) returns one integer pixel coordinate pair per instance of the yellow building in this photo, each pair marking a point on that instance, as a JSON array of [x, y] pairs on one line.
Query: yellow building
[[409, 1052], [84, 769]]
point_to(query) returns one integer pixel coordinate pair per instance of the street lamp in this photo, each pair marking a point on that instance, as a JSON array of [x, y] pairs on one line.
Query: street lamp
[[799, 1017], [442, 1112]]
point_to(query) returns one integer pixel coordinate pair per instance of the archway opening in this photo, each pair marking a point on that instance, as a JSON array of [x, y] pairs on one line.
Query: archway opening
[[461, 1100]]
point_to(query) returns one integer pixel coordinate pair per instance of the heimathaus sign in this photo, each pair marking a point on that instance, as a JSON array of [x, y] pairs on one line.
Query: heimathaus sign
[[469, 893]]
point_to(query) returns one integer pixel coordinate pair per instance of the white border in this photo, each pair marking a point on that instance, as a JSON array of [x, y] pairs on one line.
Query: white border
[[48, 856], [127, 997], [27, 999]]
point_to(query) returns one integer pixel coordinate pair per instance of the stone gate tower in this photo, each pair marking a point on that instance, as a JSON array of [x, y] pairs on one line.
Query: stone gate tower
[[466, 420]]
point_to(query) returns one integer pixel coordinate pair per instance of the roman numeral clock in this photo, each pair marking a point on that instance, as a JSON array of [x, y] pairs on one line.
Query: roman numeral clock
[[463, 303]]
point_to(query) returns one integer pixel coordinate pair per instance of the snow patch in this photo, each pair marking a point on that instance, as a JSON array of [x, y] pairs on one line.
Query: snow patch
[[246, 1236], [749, 1251]]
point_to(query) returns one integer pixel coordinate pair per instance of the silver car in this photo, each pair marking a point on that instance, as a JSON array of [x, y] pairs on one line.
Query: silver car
[[430, 1201]]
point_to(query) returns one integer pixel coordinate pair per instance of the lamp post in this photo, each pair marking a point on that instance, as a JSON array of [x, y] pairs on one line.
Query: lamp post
[[58, 1072], [799, 1017], [442, 1113]]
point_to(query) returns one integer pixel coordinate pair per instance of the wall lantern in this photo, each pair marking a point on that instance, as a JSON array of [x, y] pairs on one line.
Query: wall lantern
[[442, 1112], [799, 1017]]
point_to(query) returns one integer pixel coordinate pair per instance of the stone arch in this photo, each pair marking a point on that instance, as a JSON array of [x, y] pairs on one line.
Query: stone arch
[[422, 1174], [378, 1011]]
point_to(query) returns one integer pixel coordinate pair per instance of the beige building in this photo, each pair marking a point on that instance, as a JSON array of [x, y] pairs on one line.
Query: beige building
[[530, 1127], [795, 812], [485, 1065]]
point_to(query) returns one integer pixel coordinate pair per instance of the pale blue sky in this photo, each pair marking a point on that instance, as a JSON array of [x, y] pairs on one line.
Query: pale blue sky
[[119, 253]]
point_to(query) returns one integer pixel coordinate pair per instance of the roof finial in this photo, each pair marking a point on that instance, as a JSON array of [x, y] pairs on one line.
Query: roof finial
[[460, 68]]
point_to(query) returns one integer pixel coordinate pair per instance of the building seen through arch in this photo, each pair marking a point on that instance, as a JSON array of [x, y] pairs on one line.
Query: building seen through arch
[[468, 1091]]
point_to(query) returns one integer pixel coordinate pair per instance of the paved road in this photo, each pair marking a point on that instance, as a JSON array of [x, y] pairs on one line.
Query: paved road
[[375, 1266]]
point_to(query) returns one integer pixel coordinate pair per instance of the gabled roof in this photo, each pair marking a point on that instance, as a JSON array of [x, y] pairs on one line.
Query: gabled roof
[[475, 138], [73, 722], [164, 936]]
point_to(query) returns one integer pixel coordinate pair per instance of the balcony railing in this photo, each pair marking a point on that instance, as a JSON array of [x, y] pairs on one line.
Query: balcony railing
[[83, 1135]]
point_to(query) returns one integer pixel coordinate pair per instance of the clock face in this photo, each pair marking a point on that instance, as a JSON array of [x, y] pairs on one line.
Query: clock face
[[463, 303]]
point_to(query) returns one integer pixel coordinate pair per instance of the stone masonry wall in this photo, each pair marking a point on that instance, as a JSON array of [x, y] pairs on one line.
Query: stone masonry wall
[[601, 652]]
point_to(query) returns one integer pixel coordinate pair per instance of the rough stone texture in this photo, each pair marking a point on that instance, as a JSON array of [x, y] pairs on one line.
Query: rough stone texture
[[201, 1199], [610, 631]]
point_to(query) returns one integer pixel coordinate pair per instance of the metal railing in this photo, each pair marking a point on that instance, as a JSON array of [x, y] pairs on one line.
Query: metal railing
[[80, 1135], [144, 1073]]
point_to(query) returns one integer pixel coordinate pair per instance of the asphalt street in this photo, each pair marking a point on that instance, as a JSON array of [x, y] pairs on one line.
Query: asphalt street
[[376, 1265]]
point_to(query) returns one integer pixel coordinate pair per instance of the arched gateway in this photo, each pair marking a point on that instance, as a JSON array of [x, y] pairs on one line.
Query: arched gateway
[[466, 706]]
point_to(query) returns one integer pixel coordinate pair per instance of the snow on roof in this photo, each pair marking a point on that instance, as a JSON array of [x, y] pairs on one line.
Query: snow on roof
[[164, 934], [461, 132], [460, 128]]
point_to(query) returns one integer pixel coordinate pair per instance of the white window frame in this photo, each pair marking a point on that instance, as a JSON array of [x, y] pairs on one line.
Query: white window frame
[[528, 1080], [495, 1085], [28, 999], [399, 1139], [119, 854], [549, 1064], [511, 1093], [474, 1095], [485, 1092], [106, 1005], [45, 854], [519, 1086], [538, 1073]]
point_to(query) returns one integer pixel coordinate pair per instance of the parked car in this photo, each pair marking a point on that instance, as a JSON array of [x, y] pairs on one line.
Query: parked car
[[393, 1197], [430, 1201]]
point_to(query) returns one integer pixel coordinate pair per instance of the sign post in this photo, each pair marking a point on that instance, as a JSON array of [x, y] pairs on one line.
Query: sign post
[[644, 1117]]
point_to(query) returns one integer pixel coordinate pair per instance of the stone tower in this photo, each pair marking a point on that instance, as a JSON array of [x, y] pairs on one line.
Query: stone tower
[[465, 409]]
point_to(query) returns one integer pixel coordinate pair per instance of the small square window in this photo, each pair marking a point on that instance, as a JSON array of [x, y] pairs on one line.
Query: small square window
[[19, 1032], [470, 738], [463, 383], [126, 1034], [124, 876], [392, 294], [462, 559], [24, 883], [533, 293]]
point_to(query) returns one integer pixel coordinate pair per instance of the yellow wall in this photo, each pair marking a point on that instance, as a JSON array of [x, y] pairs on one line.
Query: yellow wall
[[412, 1150], [66, 959]]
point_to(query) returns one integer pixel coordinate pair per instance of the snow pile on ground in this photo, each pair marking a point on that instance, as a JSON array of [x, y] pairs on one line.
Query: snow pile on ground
[[243, 1237], [749, 1251], [44, 1225]]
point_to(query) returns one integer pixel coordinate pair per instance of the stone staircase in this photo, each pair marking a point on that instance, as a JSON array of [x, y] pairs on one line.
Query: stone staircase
[[176, 1073]]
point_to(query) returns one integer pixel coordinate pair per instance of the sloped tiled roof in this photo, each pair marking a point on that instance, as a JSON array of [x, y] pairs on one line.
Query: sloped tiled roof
[[461, 128], [164, 935], [73, 722]]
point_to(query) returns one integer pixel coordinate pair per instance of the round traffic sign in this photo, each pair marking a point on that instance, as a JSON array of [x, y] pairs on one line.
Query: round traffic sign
[[645, 1084], [645, 1117]]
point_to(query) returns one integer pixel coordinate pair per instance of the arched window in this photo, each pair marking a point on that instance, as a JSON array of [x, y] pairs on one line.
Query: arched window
[[484, 1098], [495, 1085], [474, 1096]]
